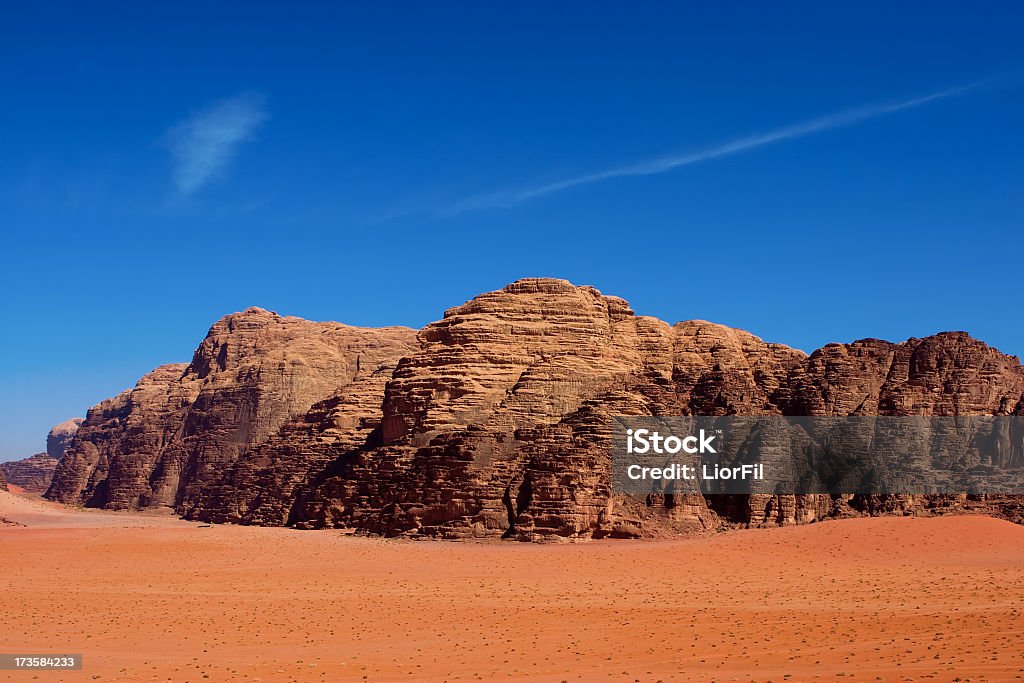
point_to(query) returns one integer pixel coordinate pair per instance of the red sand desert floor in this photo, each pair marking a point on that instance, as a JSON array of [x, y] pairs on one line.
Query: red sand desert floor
[[152, 598]]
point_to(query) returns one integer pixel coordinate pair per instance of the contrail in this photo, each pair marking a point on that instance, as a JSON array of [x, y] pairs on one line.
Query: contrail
[[848, 117]]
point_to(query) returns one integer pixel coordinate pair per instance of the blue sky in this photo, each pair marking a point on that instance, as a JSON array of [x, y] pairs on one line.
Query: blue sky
[[811, 172]]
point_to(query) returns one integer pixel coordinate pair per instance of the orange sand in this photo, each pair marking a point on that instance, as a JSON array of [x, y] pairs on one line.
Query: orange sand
[[148, 598]]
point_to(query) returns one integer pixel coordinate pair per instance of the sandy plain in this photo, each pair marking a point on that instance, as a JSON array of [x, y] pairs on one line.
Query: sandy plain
[[154, 598]]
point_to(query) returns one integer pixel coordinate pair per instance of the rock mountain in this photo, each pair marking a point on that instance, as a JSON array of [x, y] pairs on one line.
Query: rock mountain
[[32, 474], [35, 473], [493, 421], [60, 437]]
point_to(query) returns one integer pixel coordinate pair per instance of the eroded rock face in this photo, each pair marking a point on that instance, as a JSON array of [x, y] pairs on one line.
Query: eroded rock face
[[35, 473], [32, 473], [946, 374], [498, 425], [262, 485], [165, 442], [60, 437], [493, 421]]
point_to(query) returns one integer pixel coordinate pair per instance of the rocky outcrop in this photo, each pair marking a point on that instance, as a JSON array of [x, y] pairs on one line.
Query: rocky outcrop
[[493, 421], [3, 483], [123, 454], [60, 437], [498, 424], [946, 374], [169, 439], [262, 485], [35, 473], [32, 474]]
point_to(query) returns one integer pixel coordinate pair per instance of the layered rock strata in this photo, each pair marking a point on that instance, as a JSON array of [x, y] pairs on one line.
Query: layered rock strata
[[168, 440], [35, 472], [32, 474], [493, 421]]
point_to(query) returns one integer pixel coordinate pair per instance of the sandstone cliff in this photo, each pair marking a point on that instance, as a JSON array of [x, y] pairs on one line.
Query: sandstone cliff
[[35, 473], [32, 473], [498, 424], [59, 438], [165, 441], [492, 421]]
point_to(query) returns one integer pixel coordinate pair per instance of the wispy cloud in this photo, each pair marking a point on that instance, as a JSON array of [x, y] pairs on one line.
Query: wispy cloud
[[204, 144], [509, 198]]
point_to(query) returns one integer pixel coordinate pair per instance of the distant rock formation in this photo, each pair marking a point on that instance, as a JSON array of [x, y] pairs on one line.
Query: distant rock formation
[[32, 474], [493, 421], [60, 437], [3, 483]]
